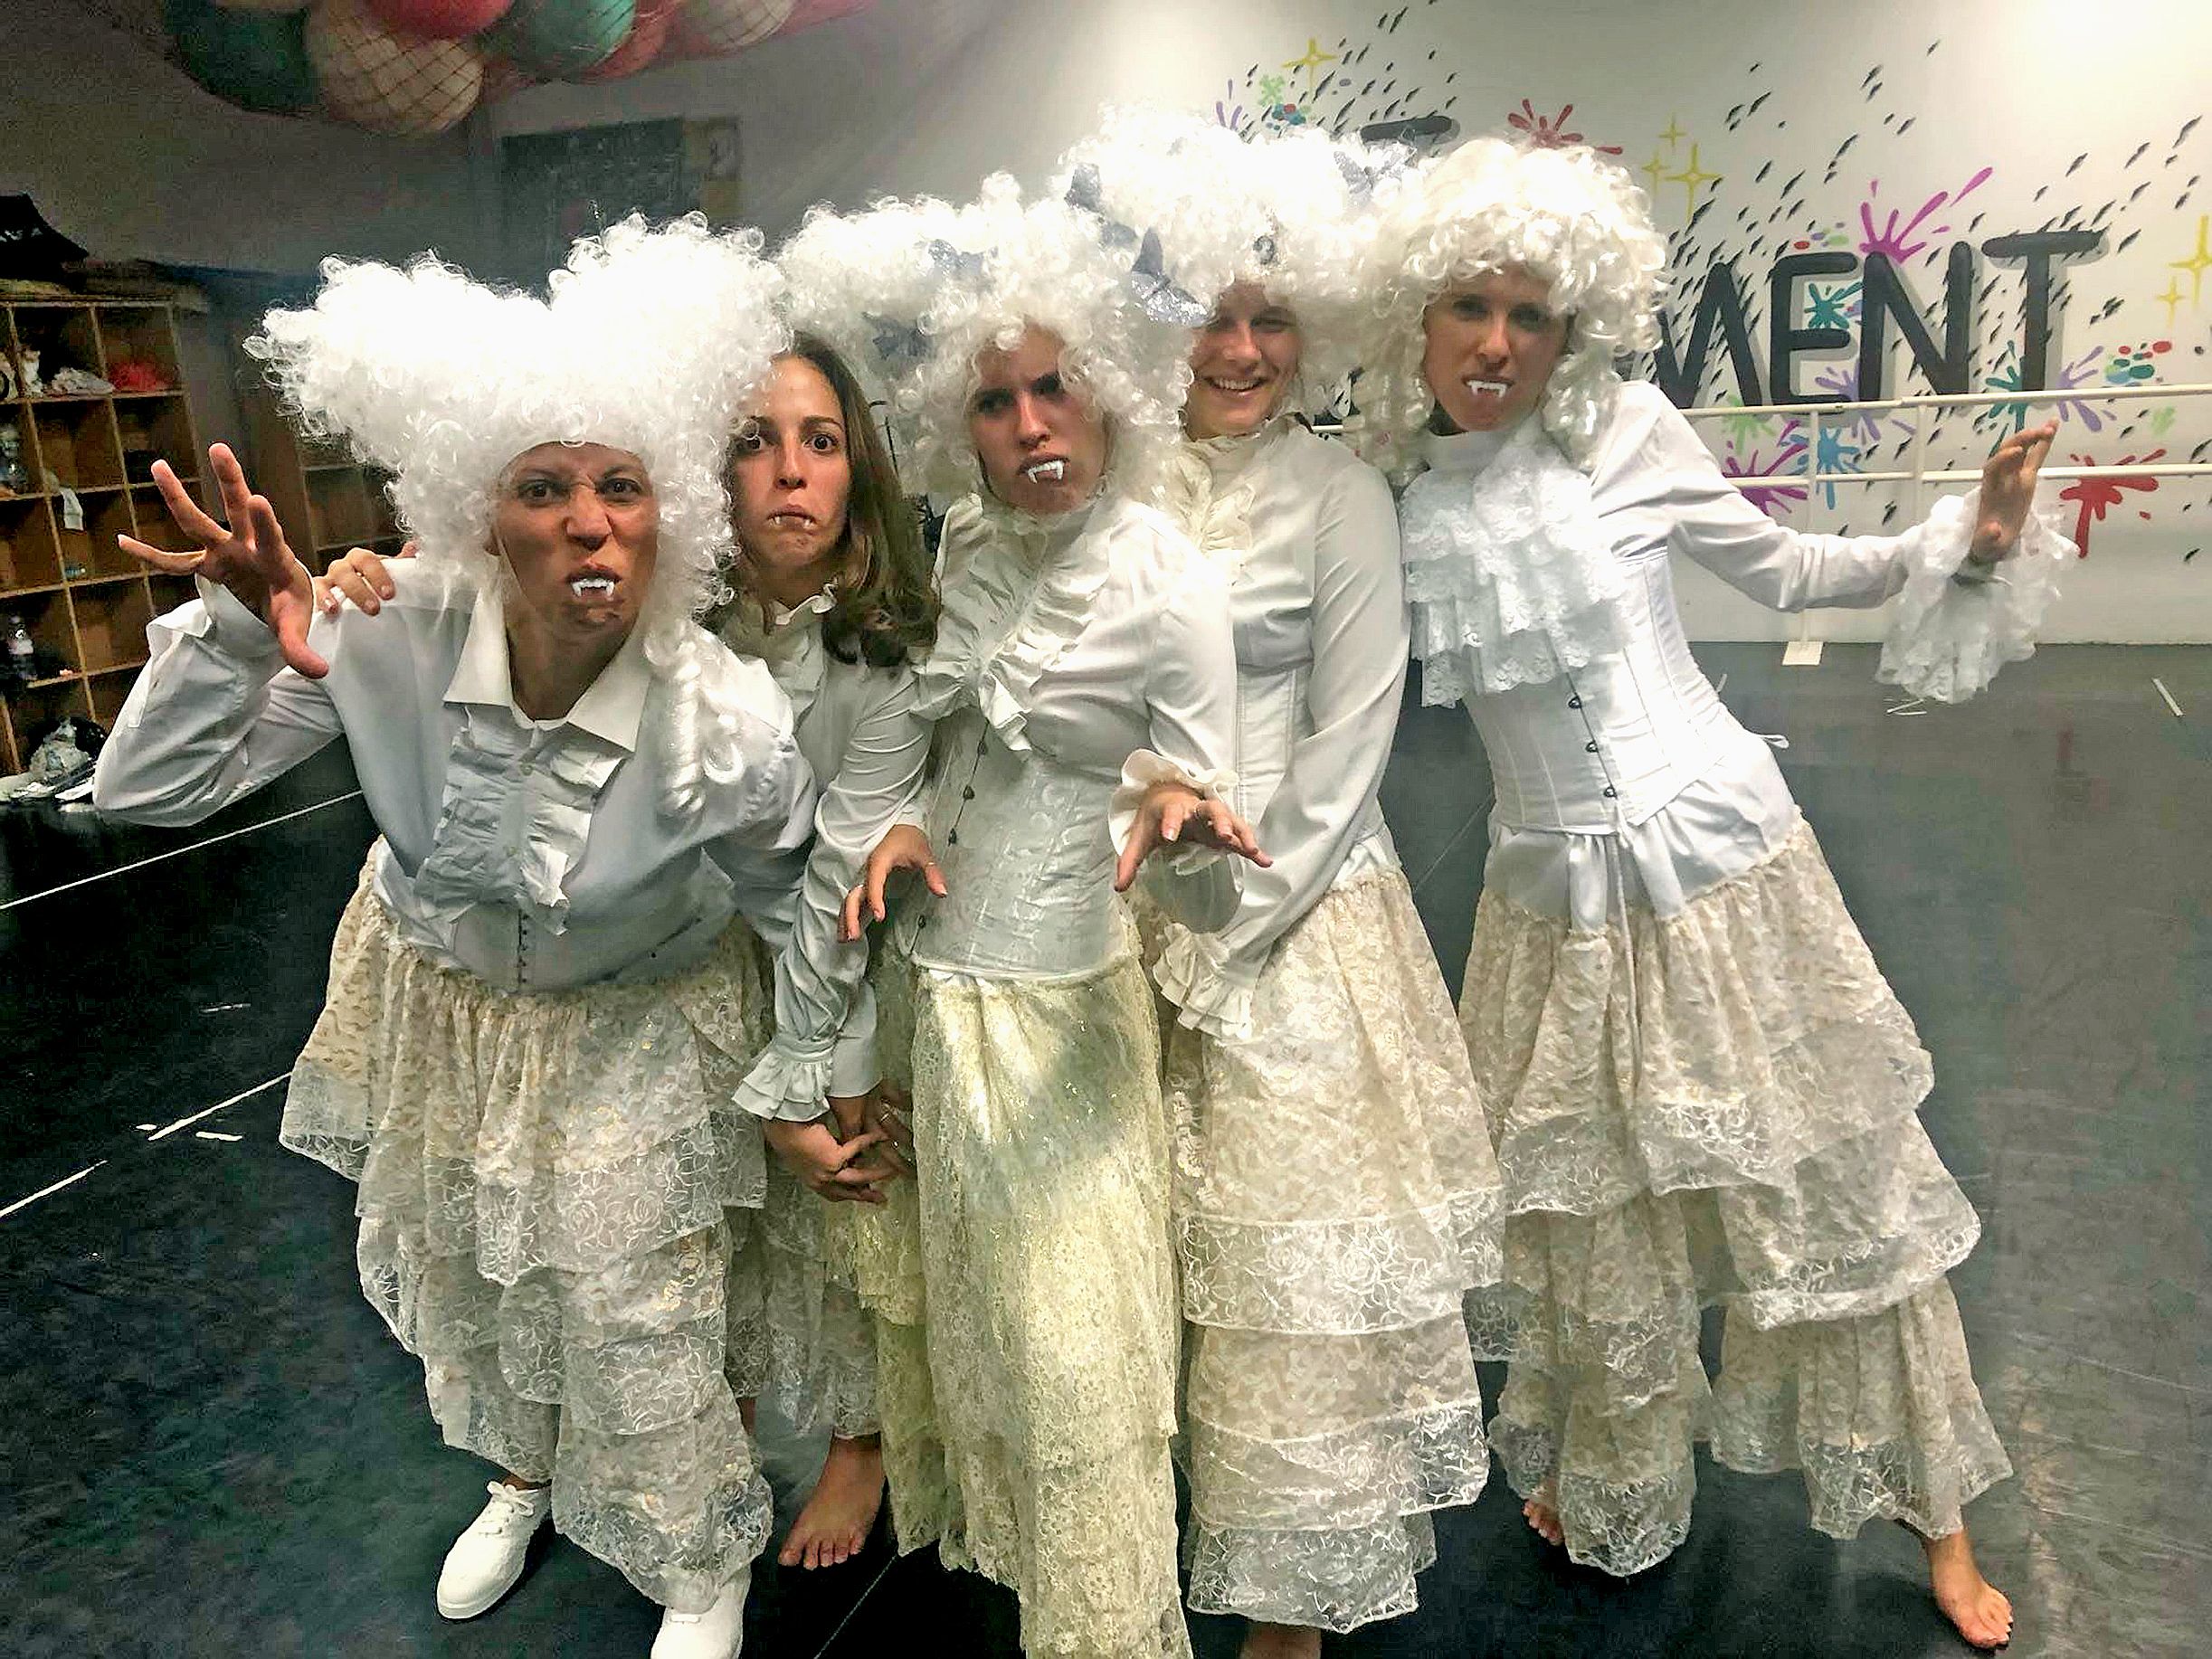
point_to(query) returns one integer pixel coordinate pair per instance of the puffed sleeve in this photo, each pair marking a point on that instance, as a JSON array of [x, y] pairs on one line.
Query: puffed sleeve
[[1190, 680], [214, 716], [1322, 805], [876, 782]]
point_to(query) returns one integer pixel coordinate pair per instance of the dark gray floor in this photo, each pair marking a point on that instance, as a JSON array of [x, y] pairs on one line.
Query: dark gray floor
[[209, 1446]]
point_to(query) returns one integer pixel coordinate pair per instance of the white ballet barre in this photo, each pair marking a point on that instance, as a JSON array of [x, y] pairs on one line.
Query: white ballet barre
[[1918, 474]]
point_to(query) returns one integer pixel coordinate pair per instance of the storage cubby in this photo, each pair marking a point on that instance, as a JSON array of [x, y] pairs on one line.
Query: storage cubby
[[76, 447], [155, 428], [108, 692], [30, 715], [112, 622], [63, 335], [29, 556], [130, 333], [339, 513], [92, 554], [46, 615]]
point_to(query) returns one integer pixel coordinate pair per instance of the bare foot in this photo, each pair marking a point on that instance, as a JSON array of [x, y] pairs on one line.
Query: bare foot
[[1281, 1642], [1542, 1513], [1970, 1602], [838, 1517]]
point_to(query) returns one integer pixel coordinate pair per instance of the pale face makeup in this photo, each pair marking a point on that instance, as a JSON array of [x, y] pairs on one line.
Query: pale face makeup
[[790, 483], [1041, 443], [578, 527], [1489, 347], [1243, 361]]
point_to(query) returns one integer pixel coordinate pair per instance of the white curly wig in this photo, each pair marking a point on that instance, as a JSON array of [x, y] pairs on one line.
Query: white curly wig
[[1571, 219], [916, 290], [1292, 212], [651, 340]]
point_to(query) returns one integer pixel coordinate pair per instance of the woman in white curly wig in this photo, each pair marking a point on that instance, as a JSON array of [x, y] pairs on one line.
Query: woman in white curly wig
[[540, 1009], [1329, 1397], [1082, 682], [1700, 1086]]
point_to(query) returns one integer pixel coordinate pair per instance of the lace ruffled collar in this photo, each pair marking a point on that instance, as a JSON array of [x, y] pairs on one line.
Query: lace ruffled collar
[[1018, 590], [1211, 484], [789, 642], [1511, 578]]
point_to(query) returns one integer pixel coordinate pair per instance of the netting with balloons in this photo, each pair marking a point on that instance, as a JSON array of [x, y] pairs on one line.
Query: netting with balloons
[[414, 67]]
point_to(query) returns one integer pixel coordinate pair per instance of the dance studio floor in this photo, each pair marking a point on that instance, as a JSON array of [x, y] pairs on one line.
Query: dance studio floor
[[209, 1445]]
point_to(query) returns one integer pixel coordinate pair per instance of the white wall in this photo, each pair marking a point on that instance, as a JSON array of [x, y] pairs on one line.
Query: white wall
[[927, 95]]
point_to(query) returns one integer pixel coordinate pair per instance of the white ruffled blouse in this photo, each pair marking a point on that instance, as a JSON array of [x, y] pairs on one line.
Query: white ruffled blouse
[[1307, 537], [1543, 598], [1078, 661], [531, 854], [858, 728]]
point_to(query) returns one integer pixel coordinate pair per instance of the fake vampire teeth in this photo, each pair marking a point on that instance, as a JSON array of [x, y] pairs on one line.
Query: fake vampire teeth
[[1495, 388], [1046, 472], [592, 587]]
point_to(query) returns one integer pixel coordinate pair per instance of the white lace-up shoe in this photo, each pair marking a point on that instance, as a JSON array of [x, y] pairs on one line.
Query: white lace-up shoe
[[715, 1634], [485, 1560]]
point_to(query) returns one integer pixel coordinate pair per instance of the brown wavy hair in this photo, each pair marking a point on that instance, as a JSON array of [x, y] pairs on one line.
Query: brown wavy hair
[[885, 602]]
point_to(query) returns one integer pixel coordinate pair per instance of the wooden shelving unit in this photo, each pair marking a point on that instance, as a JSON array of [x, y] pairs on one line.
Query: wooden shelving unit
[[327, 501], [84, 600]]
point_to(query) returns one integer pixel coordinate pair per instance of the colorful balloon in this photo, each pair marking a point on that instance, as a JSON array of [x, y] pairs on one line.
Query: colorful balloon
[[255, 58], [388, 82], [559, 39], [439, 20]]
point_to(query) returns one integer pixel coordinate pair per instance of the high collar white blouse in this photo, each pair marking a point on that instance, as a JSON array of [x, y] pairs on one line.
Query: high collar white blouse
[[1077, 659], [1306, 534], [858, 728], [1577, 673], [531, 854]]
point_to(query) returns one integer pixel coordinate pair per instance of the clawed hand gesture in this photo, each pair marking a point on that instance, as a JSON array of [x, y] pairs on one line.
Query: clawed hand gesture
[[250, 557], [1176, 815], [2007, 491]]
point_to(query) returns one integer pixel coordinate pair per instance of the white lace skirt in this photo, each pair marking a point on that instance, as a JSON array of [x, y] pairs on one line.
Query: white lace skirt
[[1718, 1104], [1335, 1195], [799, 1338], [543, 1181], [1027, 1414]]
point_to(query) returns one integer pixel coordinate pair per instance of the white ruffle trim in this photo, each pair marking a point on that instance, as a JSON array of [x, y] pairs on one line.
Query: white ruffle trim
[[786, 1083], [1191, 973], [1139, 772], [1006, 623], [1211, 484], [1510, 579], [1952, 632]]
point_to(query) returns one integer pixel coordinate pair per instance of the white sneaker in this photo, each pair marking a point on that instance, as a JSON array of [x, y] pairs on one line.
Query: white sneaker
[[715, 1634], [485, 1560]]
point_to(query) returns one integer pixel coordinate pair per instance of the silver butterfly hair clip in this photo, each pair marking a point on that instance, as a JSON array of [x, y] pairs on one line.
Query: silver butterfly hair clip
[[1148, 280], [1391, 160], [897, 343]]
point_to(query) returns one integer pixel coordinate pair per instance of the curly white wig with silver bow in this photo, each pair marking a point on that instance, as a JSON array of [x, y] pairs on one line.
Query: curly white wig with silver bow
[[1569, 218], [1291, 212], [651, 340], [916, 290]]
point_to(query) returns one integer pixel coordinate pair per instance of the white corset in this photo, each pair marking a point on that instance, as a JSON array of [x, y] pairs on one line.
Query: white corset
[[1604, 746]]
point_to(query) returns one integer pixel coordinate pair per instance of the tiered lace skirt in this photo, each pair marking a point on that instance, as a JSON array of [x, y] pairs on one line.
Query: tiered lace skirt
[[1715, 1104], [543, 1181], [1335, 1196], [1027, 1371]]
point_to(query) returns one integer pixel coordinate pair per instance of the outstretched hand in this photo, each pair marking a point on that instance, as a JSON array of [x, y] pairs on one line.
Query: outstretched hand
[[2007, 491], [1176, 815], [250, 557], [903, 848]]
